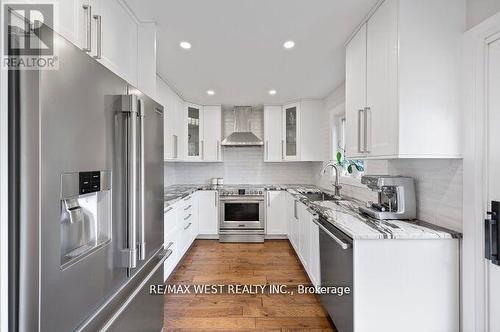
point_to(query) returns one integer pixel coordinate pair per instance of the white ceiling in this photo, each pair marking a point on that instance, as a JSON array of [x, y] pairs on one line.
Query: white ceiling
[[237, 46]]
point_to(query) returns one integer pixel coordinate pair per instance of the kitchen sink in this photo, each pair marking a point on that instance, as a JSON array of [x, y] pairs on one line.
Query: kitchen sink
[[321, 197]]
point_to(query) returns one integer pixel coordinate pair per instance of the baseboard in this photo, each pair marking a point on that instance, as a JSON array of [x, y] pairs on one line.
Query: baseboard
[[208, 236], [275, 237]]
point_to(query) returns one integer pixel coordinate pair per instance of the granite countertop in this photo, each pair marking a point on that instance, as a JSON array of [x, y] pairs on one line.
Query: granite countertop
[[343, 214], [173, 194]]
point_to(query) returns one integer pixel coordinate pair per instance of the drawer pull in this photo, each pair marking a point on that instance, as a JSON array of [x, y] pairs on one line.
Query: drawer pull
[[187, 207], [189, 225], [188, 216]]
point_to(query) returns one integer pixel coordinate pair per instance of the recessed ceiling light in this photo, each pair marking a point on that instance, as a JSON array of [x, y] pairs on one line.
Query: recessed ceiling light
[[185, 45], [272, 92], [289, 44], [210, 92]]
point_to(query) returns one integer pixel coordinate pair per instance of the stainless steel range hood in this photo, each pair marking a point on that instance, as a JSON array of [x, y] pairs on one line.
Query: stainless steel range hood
[[242, 135]]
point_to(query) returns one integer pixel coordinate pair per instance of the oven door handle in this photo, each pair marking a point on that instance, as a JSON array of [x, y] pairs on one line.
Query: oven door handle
[[343, 244], [242, 200]]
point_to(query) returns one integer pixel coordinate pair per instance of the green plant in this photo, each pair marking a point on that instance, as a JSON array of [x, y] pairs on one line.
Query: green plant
[[348, 164]]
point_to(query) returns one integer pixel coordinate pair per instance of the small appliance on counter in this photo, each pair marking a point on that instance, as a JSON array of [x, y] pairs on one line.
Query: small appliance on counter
[[217, 183], [396, 197]]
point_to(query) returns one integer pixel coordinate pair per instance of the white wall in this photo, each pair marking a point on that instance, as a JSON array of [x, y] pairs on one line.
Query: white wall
[[479, 10], [242, 165]]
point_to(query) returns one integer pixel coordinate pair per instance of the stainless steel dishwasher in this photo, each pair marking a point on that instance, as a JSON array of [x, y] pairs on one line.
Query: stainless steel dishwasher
[[336, 263]]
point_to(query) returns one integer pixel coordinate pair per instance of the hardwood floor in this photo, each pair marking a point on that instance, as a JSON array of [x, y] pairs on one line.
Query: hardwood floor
[[214, 263]]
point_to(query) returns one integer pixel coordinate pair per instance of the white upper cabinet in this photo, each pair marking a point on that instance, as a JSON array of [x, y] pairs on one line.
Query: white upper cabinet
[[212, 132], [402, 81], [273, 148], [146, 62], [291, 131], [173, 119], [381, 114], [296, 132], [109, 32], [191, 132], [194, 128], [119, 39], [355, 86], [202, 133]]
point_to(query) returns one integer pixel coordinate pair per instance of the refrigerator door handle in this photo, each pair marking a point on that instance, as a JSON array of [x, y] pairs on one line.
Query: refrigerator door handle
[[129, 106], [141, 246]]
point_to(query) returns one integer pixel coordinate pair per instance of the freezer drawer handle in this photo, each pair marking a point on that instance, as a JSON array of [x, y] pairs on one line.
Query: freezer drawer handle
[[163, 256]]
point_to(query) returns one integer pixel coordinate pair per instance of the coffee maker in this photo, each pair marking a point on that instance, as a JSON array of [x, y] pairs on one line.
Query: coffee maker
[[396, 197]]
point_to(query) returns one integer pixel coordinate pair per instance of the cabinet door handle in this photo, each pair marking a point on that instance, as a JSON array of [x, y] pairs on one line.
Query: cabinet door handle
[[360, 149], [218, 150], [283, 149], [216, 198], [267, 150], [176, 146], [99, 36], [88, 28], [366, 148], [202, 149]]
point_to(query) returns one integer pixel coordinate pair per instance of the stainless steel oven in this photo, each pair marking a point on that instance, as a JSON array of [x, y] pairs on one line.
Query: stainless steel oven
[[242, 215]]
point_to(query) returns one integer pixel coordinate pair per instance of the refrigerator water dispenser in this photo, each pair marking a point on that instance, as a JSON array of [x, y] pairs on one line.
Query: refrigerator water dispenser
[[85, 224]]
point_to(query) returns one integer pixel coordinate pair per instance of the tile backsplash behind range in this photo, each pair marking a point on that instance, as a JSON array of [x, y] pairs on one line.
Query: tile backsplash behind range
[[241, 165]]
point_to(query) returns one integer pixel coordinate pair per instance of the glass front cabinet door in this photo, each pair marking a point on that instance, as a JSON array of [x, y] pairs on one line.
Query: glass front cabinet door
[[291, 118], [194, 133]]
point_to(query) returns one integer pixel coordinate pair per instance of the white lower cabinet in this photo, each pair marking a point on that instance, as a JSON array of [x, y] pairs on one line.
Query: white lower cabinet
[[293, 221], [181, 229], [314, 263], [275, 218], [208, 214], [304, 242], [303, 234]]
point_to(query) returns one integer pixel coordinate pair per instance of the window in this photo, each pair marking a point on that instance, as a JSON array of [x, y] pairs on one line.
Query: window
[[339, 144]]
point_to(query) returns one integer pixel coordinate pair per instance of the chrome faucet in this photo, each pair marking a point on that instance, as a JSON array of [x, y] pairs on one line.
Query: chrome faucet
[[333, 165]]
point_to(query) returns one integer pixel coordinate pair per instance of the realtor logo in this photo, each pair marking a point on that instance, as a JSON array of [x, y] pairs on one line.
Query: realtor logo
[[27, 43]]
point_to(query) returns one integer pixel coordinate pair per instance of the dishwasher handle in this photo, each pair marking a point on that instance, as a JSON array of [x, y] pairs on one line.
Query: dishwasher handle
[[343, 244]]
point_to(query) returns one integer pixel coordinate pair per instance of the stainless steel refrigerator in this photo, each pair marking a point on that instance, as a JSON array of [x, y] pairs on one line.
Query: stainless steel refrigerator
[[85, 198]]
